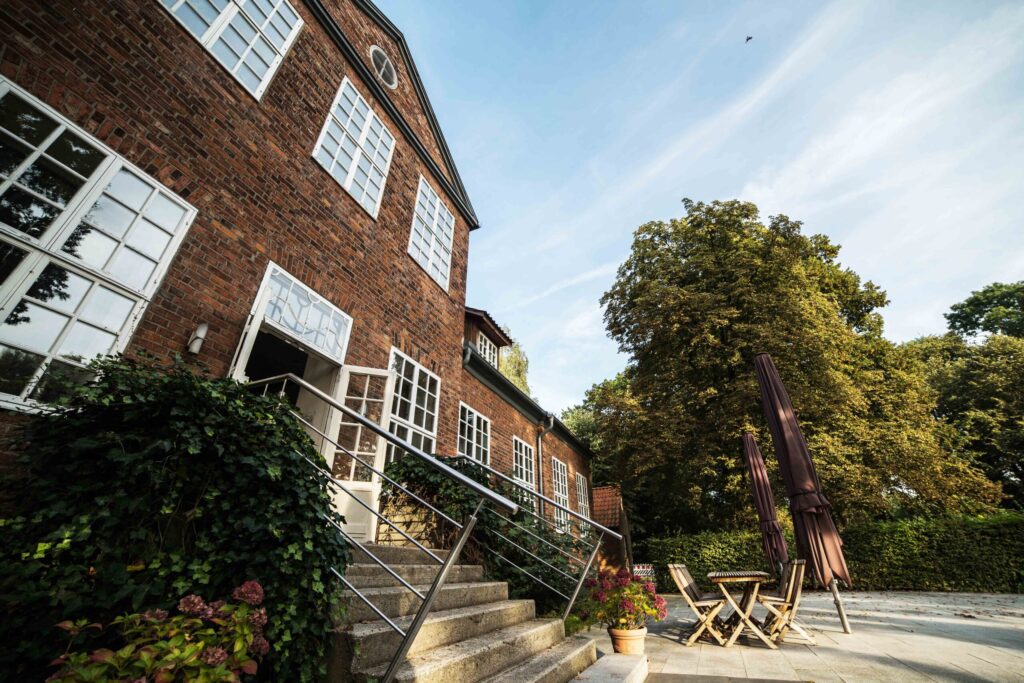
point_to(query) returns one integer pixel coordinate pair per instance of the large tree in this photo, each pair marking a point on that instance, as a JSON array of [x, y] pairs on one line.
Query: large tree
[[997, 309], [696, 300]]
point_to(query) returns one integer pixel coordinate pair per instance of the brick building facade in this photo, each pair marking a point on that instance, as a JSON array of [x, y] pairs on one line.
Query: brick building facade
[[269, 174]]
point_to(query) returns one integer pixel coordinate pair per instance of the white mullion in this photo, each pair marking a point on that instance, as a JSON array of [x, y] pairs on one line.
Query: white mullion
[[73, 214], [209, 38], [37, 151]]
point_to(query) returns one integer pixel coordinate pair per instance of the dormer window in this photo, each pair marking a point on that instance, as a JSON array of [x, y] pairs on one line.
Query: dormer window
[[487, 349]]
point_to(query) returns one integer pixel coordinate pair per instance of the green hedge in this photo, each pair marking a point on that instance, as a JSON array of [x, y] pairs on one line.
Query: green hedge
[[975, 554]]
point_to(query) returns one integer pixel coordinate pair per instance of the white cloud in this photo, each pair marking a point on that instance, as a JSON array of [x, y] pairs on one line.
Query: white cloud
[[565, 283]]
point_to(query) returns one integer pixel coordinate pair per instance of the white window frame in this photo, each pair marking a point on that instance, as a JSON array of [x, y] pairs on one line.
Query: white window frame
[[560, 489], [46, 248], [209, 39], [473, 425], [432, 229], [524, 470], [582, 495], [258, 319], [360, 139], [487, 348], [397, 423]]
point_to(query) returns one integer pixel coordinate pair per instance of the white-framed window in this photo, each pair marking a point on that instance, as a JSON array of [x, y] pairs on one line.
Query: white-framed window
[[355, 147], [560, 482], [383, 67], [582, 495], [248, 37], [523, 470], [433, 228], [85, 239], [487, 349], [414, 404], [474, 435]]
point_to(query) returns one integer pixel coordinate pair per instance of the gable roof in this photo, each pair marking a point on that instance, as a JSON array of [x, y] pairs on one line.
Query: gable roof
[[608, 506], [489, 325], [454, 187]]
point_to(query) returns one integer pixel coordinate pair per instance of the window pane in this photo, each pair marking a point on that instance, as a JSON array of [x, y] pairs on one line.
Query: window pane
[[26, 213], [107, 308], [111, 216], [75, 153], [131, 269], [85, 342], [129, 190], [47, 179], [60, 288], [164, 212], [148, 239], [90, 245], [10, 257], [57, 379], [24, 120], [32, 326], [12, 153], [16, 369]]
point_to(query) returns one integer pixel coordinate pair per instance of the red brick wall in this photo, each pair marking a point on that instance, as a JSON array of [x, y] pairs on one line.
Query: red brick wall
[[128, 73], [507, 422]]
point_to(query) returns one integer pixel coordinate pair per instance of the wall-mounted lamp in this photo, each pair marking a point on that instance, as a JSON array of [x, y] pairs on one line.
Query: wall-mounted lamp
[[195, 342]]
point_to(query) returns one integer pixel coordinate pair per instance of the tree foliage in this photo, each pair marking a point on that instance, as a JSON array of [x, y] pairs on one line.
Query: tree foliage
[[696, 300], [154, 482], [514, 364], [980, 395], [996, 309]]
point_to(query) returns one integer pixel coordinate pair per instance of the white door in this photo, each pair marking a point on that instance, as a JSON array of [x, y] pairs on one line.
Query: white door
[[368, 392]]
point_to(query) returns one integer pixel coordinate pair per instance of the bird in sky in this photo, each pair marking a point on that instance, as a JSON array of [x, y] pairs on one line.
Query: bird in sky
[[749, 38]]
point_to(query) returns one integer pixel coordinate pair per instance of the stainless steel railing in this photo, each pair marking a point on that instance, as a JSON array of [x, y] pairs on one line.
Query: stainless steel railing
[[584, 524], [484, 494]]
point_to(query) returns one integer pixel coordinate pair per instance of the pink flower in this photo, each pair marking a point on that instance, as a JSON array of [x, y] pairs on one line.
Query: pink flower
[[590, 583], [214, 656], [623, 574], [192, 605], [258, 618], [154, 615], [659, 602], [622, 581], [600, 596], [216, 605], [250, 592], [649, 587], [627, 605], [259, 646]]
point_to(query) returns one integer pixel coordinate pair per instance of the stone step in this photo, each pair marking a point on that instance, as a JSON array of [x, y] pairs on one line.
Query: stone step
[[366, 645], [620, 668], [398, 601], [394, 554], [474, 659], [557, 664], [373, 576]]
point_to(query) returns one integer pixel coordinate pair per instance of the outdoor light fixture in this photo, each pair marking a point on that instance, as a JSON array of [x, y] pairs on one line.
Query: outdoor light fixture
[[195, 342]]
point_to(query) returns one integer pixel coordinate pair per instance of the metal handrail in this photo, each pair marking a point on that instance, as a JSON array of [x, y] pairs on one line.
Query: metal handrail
[[541, 496], [482, 491]]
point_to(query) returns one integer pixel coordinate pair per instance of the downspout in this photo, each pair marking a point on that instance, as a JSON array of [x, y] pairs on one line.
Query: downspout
[[546, 425]]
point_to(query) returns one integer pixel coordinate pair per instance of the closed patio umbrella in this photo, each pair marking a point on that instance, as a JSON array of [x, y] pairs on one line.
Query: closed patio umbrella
[[771, 532], [817, 539]]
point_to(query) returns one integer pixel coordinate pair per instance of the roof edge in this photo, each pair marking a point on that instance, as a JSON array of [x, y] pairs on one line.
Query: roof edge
[[453, 187], [495, 328], [491, 377]]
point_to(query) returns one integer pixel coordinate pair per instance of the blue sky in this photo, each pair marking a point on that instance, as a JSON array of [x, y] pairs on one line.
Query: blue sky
[[895, 128]]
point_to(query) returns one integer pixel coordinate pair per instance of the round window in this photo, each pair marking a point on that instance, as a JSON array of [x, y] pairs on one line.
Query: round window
[[383, 66]]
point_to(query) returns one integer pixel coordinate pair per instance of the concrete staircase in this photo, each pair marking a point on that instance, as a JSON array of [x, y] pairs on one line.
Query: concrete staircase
[[474, 632]]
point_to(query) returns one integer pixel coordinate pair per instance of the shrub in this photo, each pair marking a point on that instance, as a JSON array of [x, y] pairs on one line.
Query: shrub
[[205, 643], [493, 533], [154, 482], [622, 601], [953, 553]]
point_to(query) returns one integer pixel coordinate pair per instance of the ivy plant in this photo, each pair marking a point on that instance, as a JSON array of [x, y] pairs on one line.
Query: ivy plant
[[151, 482]]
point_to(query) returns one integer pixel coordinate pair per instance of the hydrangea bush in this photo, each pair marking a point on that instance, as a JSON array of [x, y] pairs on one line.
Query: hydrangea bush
[[216, 642], [622, 601]]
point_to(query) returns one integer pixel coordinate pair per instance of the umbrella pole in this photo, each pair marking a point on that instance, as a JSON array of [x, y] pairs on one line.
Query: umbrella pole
[[839, 606]]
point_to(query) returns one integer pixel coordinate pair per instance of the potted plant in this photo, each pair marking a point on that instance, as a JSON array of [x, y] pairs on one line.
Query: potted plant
[[624, 603]]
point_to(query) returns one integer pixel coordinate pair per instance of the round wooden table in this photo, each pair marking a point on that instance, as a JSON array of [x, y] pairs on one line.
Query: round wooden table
[[740, 619]]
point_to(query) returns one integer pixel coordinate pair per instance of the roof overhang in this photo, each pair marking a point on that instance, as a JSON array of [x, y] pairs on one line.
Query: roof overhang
[[489, 325]]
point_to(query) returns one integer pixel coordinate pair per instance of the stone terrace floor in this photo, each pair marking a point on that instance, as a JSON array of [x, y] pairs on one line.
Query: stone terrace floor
[[896, 637]]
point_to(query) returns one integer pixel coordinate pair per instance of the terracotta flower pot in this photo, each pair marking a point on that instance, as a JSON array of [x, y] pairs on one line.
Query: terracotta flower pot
[[628, 642]]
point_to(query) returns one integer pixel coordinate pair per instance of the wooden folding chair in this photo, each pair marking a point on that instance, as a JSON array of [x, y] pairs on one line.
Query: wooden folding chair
[[706, 607], [782, 606]]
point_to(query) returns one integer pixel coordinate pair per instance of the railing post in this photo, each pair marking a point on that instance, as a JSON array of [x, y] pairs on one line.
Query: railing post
[[583, 577], [424, 611]]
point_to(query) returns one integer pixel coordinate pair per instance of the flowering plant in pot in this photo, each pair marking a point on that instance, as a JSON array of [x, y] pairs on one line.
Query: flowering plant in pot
[[624, 603]]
